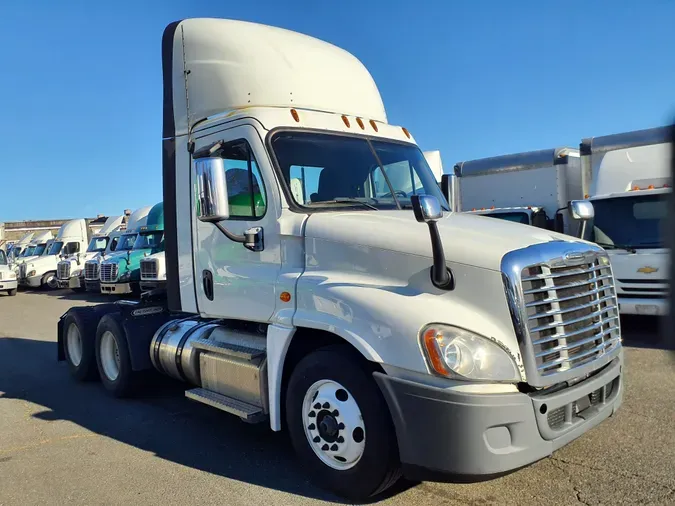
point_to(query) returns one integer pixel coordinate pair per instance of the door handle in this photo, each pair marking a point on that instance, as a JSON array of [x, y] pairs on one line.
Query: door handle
[[207, 282]]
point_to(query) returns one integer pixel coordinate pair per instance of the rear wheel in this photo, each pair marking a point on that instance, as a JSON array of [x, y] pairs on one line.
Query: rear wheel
[[112, 357], [11, 292], [78, 343], [340, 426]]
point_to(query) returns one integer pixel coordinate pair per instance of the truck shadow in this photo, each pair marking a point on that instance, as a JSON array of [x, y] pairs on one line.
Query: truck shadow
[[646, 332], [159, 420], [68, 294]]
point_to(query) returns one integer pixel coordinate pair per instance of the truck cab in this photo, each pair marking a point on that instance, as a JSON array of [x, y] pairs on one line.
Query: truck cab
[[385, 333], [40, 272], [14, 251], [532, 188], [120, 240], [121, 273], [8, 282], [71, 269], [627, 179], [37, 247]]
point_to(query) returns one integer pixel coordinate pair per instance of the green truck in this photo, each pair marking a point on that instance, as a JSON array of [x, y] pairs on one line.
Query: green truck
[[121, 274]]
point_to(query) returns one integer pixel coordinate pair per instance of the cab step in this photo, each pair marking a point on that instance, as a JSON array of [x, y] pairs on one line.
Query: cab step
[[243, 410], [231, 349]]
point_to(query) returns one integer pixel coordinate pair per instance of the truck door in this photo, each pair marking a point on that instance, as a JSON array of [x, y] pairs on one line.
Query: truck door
[[230, 280]]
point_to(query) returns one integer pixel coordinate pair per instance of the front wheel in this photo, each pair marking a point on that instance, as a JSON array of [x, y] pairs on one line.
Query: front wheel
[[11, 292], [340, 426], [49, 281]]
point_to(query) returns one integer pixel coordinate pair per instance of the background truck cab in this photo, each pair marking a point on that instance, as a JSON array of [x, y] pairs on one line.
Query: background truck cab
[[120, 241], [8, 282], [627, 178], [153, 272], [71, 238], [120, 274], [70, 270]]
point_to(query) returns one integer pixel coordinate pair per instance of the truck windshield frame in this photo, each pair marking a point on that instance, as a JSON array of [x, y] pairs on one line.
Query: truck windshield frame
[[94, 244], [369, 168], [633, 221]]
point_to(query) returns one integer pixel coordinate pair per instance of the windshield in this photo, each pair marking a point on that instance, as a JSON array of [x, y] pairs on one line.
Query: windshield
[[40, 249], [515, 217], [325, 169], [29, 251], [152, 240], [630, 221], [3, 258], [55, 248], [97, 244], [126, 242]]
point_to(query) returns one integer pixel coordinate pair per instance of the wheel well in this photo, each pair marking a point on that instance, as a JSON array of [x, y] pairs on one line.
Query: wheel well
[[304, 342]]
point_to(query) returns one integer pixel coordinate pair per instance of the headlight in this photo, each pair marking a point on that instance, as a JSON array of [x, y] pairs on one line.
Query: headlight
[[12, 275], [31, 273], [461, 354], [126, 276]]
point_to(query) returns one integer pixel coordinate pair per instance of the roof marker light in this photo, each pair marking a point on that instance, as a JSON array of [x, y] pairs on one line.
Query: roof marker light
[[373, 124], [295, 115], [360, 122], [345, 119], [636, 188], [405, 131], [650, 187]]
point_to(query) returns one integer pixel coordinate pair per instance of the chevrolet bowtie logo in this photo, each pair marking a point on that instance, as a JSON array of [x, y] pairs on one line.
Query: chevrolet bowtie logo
[[647, 270]]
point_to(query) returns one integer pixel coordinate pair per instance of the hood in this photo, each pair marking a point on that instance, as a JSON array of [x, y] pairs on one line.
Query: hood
[[467, 239], [43, 260], [120, 259]]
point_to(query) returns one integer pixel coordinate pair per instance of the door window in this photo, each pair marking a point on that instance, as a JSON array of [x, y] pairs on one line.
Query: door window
[[245, 188]]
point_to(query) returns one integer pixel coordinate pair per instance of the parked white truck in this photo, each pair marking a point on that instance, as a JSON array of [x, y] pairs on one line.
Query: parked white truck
[[627, 179], [71, 269], [120, 242], [14, 251], [8, 282], [385, 333], [39, 272], [153, 272], [35, 248], [533, 188]]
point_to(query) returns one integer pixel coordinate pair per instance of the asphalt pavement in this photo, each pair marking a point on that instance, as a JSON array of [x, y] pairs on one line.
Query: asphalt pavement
[[63, 442]]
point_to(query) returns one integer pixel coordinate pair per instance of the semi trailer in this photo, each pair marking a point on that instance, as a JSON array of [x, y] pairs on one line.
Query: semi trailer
[[70, 270], [385, 333], [627, 179], [532, 188], [120, 241], [121, 274]]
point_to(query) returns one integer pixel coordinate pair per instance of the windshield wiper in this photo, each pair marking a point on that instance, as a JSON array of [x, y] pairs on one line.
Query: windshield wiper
[[629, 249], [347, 200]]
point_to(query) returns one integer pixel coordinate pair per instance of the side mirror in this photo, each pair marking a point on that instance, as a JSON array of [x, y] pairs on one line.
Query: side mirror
[[426, 208], [582, 210], [211, 189]]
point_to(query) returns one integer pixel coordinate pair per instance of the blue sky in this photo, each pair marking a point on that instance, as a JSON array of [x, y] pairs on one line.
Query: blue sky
[[81, 82]]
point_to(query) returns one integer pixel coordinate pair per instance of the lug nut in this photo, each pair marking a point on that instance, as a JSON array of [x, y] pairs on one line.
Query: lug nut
[[336, 413], [340, 439], [312, 427], [316, 439], [312, 414], [324, 448], [317, 405], [334, 448], [341, 426], [326, 405]]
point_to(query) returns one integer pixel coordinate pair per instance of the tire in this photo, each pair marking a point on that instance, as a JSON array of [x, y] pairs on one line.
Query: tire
[[112, 357], [49, 281], [336, 368], [80, 356], [11, 292]]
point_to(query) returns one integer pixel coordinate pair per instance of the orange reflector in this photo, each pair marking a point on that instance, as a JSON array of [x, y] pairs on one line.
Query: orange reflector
[[586, 196], [405, 131], [650, 187], [360, 122], [285, 296], [529, 207], [373, 124], [474, 209], [482, 209], [492, 207], [635, 188], [434, 352], [345, 119], [294, 113]]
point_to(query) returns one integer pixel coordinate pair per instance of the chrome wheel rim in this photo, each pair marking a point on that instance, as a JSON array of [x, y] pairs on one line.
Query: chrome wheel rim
[[334, 425], [74, 345], [110, 356], [51, 282]]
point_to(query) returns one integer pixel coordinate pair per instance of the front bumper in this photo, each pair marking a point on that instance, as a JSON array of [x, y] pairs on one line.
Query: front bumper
[[652, 307], [147, 285], [72, 282], [32, 282], [92, 285], [8, 284], [116, 288], [444, 432]]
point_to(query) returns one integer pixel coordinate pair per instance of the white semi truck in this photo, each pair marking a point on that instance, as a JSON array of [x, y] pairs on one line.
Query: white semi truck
[[18, 247], [35, 248], [153, 272], [40, 272], [533, 188], [385, 333], [120, 242], [627, 179], [70, 270], [8, 282]]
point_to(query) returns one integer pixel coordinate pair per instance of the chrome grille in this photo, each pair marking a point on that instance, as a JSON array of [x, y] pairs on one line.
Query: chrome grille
[[643, 288], [108, 273], [91, 270], [149, 268], [63, 270], [572, 314], [22, 271]]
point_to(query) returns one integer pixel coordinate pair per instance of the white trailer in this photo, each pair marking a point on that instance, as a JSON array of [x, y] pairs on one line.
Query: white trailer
[[385, 333], [627, 178], [532, 188]]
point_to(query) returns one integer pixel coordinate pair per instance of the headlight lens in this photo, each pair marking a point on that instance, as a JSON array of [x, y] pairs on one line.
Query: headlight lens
[[12, 275], [125, 276], [30, 273], [461, 354]]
